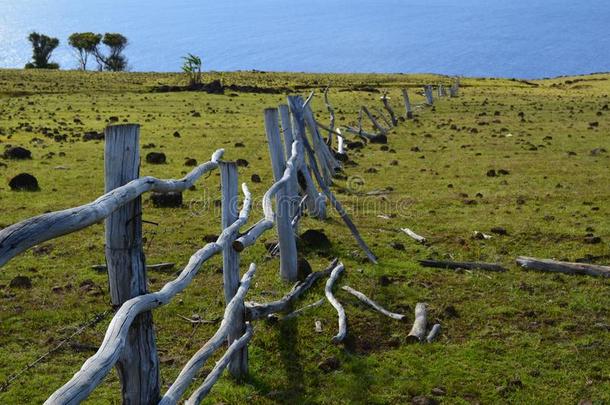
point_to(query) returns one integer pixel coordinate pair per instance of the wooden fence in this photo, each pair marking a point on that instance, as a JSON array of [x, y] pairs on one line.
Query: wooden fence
[[298, 150]]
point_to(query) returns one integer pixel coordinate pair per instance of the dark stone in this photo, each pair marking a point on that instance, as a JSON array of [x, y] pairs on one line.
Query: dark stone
[[384, 281], [166, 200], [593, 240], [214, 87], [423, 400], [255, 178], [303, 269], [380, 139], [156, 158], [239, 145], [341, 157], [24, 182], [491, 173], [316, 239], [190, 162], [242, 163], [397, 246], [354, 145], [330, 364], [371, 170], [210, 238], [503, 172], [93, 136], [415, 149], [498, 230], [21, 282], [176, 134], [17, 152]]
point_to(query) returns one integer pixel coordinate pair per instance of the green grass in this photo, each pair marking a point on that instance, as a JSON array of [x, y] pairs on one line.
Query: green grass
[[546, 331]]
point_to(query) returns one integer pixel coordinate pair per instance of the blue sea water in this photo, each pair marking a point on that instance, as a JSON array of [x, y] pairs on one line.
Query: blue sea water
[[508, 38]]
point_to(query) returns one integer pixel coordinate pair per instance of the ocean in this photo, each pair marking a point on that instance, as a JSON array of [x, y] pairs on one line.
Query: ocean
[[500, 38]]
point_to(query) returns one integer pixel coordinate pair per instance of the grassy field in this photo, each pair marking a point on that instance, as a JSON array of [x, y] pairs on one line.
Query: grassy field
[[514, 337]]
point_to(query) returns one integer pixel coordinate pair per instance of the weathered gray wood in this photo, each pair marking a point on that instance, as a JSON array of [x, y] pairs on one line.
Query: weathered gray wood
[[316, 203], [327, 162], [554, 266], [294, 105], [266, 223], [373, 120], [256, 311], [418, 331], [292, 187], [300, 311], [373, 304], [331, 112], [366, 136], [283, 217], [99, 365], [328, 291], [386, 103], [138, 364], [230, 264], [340, 142], [434, 332], [233, 315], [383, 117], [221, 364], [33, 231], [442, 264], [408, 109], [428, 94], [413, 235]]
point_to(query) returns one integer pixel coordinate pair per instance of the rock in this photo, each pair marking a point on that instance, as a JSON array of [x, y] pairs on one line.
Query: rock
[[380, 139], [503, 172], [438, 391], [176, 134], [239, 145], [598, 151], [303, 269], [371, 170], [255, 178], [491, 173], [354, 145], [593, 240], [415, 149], [18, 153], [166, 200], [24, 182], [423, 400], [330, 364], [341, 157], [156, 158], [242, 163], [498, 230], [210, 238], [384, 280], [397, 246], [190, 162], [21, 282], [316, 239], [93, 136]]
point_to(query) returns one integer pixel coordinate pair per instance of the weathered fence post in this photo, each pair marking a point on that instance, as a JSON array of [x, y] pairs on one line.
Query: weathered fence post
[[230, 264], [138, 365], [386, 105], [428, 94], [283, 219], [293, 185], [408, 109], [373, 120]]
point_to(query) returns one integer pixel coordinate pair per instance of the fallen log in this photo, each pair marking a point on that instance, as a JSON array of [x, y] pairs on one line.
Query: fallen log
[[256, 311], [442, 264], [418, 331], [434, 332], [373, 304], [563, 267], [328, 291], [413, 235], [300, 311]]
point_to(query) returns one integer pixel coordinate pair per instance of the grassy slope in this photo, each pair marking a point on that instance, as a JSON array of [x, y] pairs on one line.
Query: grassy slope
[[542, 330]]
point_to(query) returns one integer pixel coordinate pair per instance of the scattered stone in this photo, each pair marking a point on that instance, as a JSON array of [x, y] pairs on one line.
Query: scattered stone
[[176, 134], [330, 364], [255, 178], [190, 162], [93, 136], [166, 200], [24, 182], [210, 238], [380, 139], [491, 173], [503, 172], [498, 230], [438, 391], [239, 145], [315, 239], [397, 246], [156, 158], [17, 153], [598, 151], [384, 281], [593, 240], [242, 163], [21, 282], [303, 269]]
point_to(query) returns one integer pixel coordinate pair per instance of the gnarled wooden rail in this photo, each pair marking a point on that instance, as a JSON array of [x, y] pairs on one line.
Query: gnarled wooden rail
[[30, 232]]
